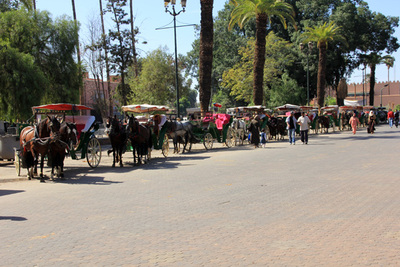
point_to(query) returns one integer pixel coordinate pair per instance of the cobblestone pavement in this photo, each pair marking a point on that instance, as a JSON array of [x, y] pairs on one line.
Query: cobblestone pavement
[[333, 202]]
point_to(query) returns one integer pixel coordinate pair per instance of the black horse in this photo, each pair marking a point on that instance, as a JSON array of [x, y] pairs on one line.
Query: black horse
[[277, 127], [140, 137], [118, 137], [60, 146], [181, 133], [324, 123]]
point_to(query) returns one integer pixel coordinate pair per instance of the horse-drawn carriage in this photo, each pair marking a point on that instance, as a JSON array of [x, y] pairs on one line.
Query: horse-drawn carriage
[[157, 129], [329, 118], [243, 117], [80, 139], [214, 127]]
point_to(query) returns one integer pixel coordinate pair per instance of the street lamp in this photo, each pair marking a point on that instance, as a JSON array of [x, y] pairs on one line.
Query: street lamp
[[308, 52], [381, 91], [174, 14]]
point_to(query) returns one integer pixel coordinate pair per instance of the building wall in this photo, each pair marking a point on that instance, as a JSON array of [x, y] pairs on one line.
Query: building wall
[[91, 92], [390, 94]]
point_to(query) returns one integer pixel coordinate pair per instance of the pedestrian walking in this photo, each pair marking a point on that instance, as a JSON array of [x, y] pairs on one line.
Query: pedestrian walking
[[291, 123], [396, 118], [371, 122], [304, 121], [254, 129], [354, 121], [263, 137], [390, 117]]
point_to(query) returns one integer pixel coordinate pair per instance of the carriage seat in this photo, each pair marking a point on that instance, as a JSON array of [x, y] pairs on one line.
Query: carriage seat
[[221, 120], [83, 123]]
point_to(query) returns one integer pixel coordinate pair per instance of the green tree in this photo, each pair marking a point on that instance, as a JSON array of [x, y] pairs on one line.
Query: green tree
[[239, 77], [156, 81], [226, 45], [372, 60], [51, 44], [328, 32], [119, 44], [389, 62], [21, 83], [262, 11]]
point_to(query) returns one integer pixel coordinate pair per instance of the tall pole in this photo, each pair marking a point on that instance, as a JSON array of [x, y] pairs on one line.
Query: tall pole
[[174, 14], [308, 82], [176, 64]]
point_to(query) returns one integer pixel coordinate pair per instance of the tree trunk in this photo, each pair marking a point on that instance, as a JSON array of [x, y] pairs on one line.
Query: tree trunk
[[259, 59], [34, 5], [135, 64], [321, 75], [206, 53], [78, 52], [372, 85], [110, 105]]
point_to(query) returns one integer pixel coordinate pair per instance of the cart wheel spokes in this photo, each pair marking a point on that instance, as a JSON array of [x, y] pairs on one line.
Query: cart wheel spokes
[[93, 153], [165, 146], [208, 141], [230, 138]]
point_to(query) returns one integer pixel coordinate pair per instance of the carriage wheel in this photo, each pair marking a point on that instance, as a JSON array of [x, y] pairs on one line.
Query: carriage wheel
[[17, 162], [208, 141], [236, 133], [93, 152], [230, 138], [165, 146], [148, 154]]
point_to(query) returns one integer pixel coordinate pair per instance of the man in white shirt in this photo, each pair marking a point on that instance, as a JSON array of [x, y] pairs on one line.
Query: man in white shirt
[[304, 121]]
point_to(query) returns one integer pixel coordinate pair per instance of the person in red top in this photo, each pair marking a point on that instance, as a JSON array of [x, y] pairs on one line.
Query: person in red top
[[390, 117]]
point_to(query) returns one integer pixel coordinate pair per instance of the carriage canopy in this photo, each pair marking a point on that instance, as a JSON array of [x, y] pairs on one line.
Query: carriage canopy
[[61, 107], [288, 107], [144, 108]]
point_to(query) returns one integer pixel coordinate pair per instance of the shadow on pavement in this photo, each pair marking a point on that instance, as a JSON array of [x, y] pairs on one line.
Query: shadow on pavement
[[9, 192], [12, 218]]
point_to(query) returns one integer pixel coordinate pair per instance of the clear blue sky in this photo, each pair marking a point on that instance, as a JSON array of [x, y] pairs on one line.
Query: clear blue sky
[[150, 14]]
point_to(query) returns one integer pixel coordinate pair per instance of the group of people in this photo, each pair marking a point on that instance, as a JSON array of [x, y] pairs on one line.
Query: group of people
[[292, 123], [304, 122], [393, 117]]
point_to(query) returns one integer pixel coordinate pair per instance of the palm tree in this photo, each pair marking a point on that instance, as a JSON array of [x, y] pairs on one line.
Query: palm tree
[[206, 53], [328, 32], [262, 11], [372, 60], [389, 62]]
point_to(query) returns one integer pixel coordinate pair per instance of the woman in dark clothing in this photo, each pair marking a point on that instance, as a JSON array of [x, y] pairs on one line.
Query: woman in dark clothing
[[371, 122], [254, 129]]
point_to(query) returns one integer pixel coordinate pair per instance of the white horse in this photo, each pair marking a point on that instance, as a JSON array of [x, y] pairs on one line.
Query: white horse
[[239, 128]]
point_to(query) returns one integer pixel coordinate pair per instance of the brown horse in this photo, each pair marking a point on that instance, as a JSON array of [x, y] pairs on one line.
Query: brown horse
[[118, 137], [34, 141], [31, 147], [140, 137]]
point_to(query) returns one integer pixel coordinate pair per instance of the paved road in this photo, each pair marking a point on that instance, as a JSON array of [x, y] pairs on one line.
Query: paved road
[[334, 202]]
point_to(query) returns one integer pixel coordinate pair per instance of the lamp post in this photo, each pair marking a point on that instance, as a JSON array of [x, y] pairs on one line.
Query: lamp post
[[381, 91], [174, 14], [308, 52]]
